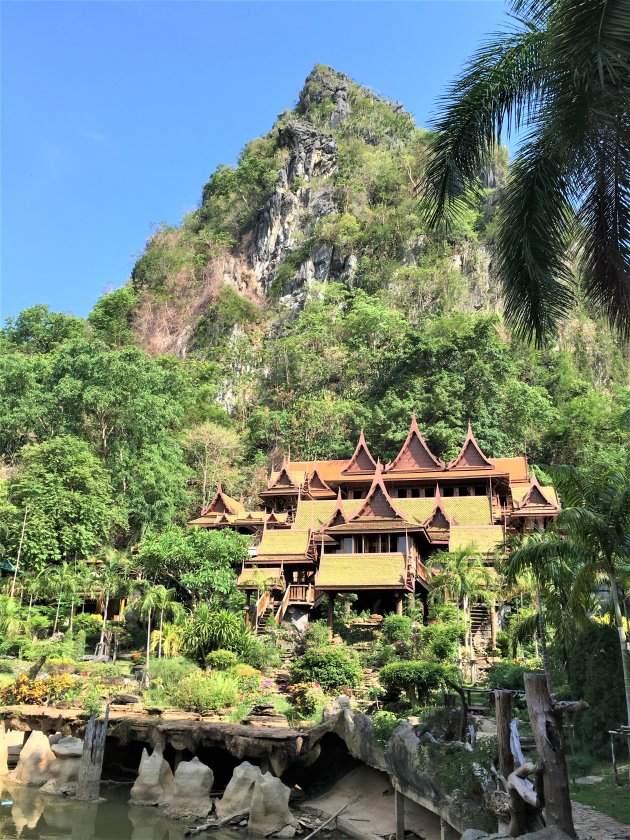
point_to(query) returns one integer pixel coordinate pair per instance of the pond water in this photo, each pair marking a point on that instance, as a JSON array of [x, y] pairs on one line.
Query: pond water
[[31, 815]]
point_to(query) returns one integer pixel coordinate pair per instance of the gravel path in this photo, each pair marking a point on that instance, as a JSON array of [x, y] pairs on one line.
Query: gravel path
[[593, 825]]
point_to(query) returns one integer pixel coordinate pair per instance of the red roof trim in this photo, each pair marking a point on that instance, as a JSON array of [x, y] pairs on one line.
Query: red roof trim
[[416, 458], [362, 460], [470, 457]]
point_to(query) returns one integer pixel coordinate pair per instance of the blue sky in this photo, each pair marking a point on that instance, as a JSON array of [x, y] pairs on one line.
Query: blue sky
[[114, 114]]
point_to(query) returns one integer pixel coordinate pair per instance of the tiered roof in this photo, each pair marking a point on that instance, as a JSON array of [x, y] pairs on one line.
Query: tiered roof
[[537, 500], [222, 503], [483, 538], [362, 460], [340, 572], [290, 546], [415, 455], [316, 487], [439, 524], [470, 457]]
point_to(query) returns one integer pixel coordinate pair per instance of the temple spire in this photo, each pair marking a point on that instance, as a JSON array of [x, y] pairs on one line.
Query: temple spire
[[415, 454], [362, 460], [222, 503], [470, 457]]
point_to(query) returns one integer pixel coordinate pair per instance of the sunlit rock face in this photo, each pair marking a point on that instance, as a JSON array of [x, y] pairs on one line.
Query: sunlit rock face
[[35, 761], [65, 769], [190, 792], [155, 779]]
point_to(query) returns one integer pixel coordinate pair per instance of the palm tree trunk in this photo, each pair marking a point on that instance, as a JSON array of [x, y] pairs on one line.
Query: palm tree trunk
[[101, 642], [623, 644], [30, 605], [160, 639], [543, 642], [146, 671], [57, 613]]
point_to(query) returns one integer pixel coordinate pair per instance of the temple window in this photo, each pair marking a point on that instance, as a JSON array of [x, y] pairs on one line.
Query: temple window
[[415, 493], [480, 490], [429, 492], [448, 491]]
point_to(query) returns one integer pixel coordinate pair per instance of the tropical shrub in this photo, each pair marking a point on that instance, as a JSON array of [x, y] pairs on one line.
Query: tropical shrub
[[317, 635], [507, 675], [397, 628], [439, 639], [90, 625], [60, 666], [7, 667], [307, 698], [170, 672], [36, 692], [383, 725], [442, 722], [258, 651], [221, 660], [248, 677], [416, 679], [330, 667], [206, 692], [210, 629]]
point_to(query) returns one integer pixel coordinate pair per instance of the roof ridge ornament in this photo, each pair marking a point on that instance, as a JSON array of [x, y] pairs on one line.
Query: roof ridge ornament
[[222, 503], [284, 470], [362, 460], [470, 456], [415, 453], [339, 515], [439, 515]]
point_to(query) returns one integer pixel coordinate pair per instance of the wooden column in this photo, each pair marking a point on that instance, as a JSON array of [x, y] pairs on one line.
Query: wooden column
[[248, 604], [92, 759], [399, 811], [331, 609], [547, 730], [399, 603]]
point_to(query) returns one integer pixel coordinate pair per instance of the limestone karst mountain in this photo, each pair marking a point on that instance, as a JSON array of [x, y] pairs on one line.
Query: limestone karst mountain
[[329, 194]]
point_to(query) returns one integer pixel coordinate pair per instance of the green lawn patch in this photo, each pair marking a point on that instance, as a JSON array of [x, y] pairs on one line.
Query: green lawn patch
[[606, 796]]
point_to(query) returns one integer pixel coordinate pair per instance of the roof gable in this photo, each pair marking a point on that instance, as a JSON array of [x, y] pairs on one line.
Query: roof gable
[[415, 454], [283, 479], [378, 503], [339, 517], [535, 496], [362, 460], [470, 457], [439, 519], [222, 503]]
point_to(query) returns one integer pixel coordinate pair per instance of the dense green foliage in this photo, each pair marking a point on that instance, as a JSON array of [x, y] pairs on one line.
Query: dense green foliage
[[330, 667]]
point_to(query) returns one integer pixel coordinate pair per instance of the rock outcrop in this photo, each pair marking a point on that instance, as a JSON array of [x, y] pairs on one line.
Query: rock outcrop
[[4, 750], [238, 794], [269, 811], [189, 795], [64, 771], [36, 758], [155, 779], [312, 154]]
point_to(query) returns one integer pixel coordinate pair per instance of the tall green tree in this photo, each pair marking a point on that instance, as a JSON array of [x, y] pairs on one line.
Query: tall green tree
[[71, 506], [590, 536], [560, 77]]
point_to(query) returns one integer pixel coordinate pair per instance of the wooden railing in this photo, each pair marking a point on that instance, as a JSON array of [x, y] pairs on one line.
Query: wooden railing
[[283, 604], [261, 605]]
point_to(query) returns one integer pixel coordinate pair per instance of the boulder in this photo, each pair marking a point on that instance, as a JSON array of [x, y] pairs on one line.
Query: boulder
[[64, 771], [4, 751], [238, 794], [269, 810], [190, 791], [155, 779], [35, 760], [126, 699], [336, 705]]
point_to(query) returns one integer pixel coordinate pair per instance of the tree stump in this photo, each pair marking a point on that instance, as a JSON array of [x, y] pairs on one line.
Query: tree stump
[[92, 759], [546, 722]]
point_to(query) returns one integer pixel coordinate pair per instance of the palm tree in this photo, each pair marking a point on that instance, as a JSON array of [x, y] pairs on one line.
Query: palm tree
[[591, 537], [463, 576], [561, 76], [166, 605], [208, 630], [56, 580], [111, 581], [146, 604]]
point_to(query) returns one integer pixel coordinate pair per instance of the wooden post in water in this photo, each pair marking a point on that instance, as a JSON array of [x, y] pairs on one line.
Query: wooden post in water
[[399, 810], [546, 721], [92, 759]]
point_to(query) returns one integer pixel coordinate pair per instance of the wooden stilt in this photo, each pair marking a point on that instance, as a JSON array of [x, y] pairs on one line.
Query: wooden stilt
[[331, 609], [399, 603], [92, 759], [493, 627]]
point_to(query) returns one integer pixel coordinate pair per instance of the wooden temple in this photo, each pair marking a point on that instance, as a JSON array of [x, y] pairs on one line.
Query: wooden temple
[[359, 526]]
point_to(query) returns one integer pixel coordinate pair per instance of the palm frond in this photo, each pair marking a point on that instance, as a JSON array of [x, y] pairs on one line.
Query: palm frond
[[536, 225], [499, 89]]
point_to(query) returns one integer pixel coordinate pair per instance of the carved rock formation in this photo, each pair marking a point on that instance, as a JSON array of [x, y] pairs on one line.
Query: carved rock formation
[[35, 760], [269, 811], [190, 792], [238, 794], [64, 771], [155, 779]]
